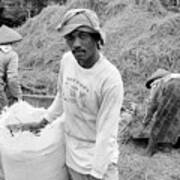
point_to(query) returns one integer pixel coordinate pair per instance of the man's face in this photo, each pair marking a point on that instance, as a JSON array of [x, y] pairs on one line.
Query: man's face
[[83, 47]]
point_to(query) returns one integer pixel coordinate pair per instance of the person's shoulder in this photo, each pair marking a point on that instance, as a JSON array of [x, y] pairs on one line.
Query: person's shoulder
[[111, 74], [67, 55], [110, 67], [66, 60], [8, 52]]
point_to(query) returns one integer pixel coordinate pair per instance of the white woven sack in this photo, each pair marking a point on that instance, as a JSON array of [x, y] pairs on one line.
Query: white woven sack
[[1, 170], [29, 157]]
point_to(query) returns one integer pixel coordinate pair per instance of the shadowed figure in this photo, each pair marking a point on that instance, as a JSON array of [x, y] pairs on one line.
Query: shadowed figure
[[164, 109]]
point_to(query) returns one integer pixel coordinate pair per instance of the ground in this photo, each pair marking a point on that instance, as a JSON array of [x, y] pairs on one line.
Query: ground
[[134, 164]]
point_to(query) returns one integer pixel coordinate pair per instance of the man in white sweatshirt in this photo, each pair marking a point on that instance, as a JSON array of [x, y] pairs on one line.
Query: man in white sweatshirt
[[90, 90]]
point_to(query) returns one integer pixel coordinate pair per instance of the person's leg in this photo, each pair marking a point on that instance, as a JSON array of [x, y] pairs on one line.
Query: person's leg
[[152, 147]]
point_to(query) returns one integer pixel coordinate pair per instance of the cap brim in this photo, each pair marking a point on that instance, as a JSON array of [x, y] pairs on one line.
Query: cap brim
[[68, 29], [72, 27], [9, 42]]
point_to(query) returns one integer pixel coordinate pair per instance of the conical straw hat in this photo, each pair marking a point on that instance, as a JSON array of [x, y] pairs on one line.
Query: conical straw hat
[[8, 35]]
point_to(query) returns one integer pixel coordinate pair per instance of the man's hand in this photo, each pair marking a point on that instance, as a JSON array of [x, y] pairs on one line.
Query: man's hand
[[33, 127], [43, 123]]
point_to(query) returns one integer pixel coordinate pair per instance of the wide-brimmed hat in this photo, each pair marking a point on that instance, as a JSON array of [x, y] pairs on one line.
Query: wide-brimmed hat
[[156, 75], [8, 35], [76, 18]]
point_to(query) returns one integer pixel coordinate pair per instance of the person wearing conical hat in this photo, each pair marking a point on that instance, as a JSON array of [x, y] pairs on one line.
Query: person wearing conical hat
[[10, 90], [163, 109], [91, 91]]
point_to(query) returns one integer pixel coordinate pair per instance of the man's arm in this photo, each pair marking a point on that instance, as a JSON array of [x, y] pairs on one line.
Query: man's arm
[[107, 129], [152, 105], [55, 109]]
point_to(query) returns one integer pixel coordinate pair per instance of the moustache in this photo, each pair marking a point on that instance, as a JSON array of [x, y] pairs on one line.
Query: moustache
[[78, 50]]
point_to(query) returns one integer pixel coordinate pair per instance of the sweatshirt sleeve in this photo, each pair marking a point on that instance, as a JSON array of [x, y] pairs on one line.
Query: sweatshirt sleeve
[[56, 108], [107, 128]]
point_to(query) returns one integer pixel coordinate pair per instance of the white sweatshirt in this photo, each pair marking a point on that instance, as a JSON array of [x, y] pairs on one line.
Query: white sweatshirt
[[92, 99]]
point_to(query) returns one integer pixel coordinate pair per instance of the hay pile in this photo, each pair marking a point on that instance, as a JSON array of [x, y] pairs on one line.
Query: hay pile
[[140, 42], [40, 51], [122, 30], [157, 47], [42, 48]]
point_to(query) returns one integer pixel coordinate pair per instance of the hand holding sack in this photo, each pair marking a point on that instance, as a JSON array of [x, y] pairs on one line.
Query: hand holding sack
[[26, 156]]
